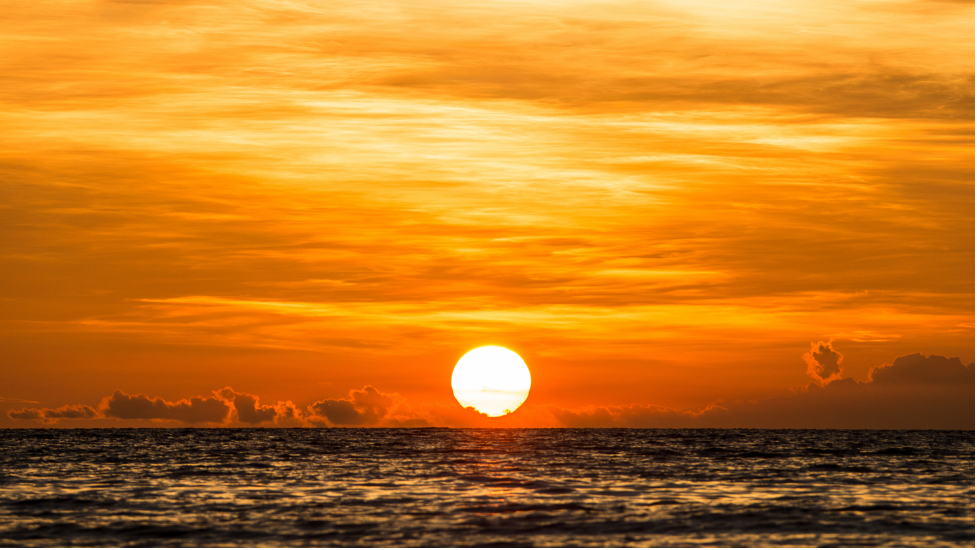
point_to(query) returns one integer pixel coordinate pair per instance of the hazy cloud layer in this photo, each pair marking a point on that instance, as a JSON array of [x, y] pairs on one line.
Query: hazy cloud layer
[[918, 371], [913, 392], [706, 183]]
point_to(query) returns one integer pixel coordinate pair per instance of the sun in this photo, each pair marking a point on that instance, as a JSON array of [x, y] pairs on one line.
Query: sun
[[492, 379]]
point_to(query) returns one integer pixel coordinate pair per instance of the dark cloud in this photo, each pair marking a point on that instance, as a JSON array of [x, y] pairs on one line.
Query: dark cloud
[[26, 414], [914, 392], [288, 414], [50, 416], [247, 407], [927, 403], [140, 407], [341, 412], [823, 362], [250, 412], [918, 369], [226, 407], [363, 407]]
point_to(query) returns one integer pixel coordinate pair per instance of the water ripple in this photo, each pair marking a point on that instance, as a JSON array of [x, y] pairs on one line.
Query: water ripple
[[440, 487]]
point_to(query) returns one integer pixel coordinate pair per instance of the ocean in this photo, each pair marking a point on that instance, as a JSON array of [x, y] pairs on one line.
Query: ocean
[[504, 487]]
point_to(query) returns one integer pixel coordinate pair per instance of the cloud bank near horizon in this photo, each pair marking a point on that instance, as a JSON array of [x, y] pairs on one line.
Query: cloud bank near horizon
[[912, 392]]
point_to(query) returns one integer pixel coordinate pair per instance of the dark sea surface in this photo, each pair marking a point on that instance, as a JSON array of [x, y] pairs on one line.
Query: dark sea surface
[[507, 487]]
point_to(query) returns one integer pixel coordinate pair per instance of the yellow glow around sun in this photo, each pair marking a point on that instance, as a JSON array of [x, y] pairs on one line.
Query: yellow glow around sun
[[493, 380]]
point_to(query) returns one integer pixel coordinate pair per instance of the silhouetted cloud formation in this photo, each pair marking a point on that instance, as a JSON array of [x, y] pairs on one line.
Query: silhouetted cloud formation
[[247, 407], [192, 411], [913, 392], [50, 416], [920, 370], [363, 407], [823, 362], [226, 407]]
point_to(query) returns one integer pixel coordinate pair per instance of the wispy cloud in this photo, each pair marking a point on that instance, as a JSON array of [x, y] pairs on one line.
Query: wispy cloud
[[866, 336], [592, 181]]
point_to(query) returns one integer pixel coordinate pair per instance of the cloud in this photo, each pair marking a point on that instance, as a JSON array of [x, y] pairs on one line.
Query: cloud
[[246, 406], [226, 407], [247, 410], [140, 407], [370, 407], [823, 362], [289, 415], [363, 407], [913, 392], [866, 335], [918, 369], [51, 416], [328, 185]]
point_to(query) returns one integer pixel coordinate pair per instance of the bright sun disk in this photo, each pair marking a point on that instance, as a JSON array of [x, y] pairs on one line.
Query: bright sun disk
[[492, 379]]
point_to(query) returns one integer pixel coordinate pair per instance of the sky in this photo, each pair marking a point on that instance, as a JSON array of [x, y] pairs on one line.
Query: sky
[[301, 213]]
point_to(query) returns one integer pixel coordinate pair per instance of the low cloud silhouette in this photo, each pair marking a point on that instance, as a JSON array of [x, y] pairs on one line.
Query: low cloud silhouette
[[920, 370], [370, 407], [912, 392], [226, 407], [140, 407], [247, 408], [823, 362], [51, 416], [364, 407]]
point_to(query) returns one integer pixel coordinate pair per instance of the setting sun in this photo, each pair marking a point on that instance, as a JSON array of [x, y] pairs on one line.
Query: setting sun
[[492, 380]]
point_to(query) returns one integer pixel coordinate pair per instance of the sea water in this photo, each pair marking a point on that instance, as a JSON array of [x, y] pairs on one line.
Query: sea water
[[505, 487]]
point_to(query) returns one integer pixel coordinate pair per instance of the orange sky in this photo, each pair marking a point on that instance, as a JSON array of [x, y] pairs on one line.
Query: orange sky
[[658, 204]]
